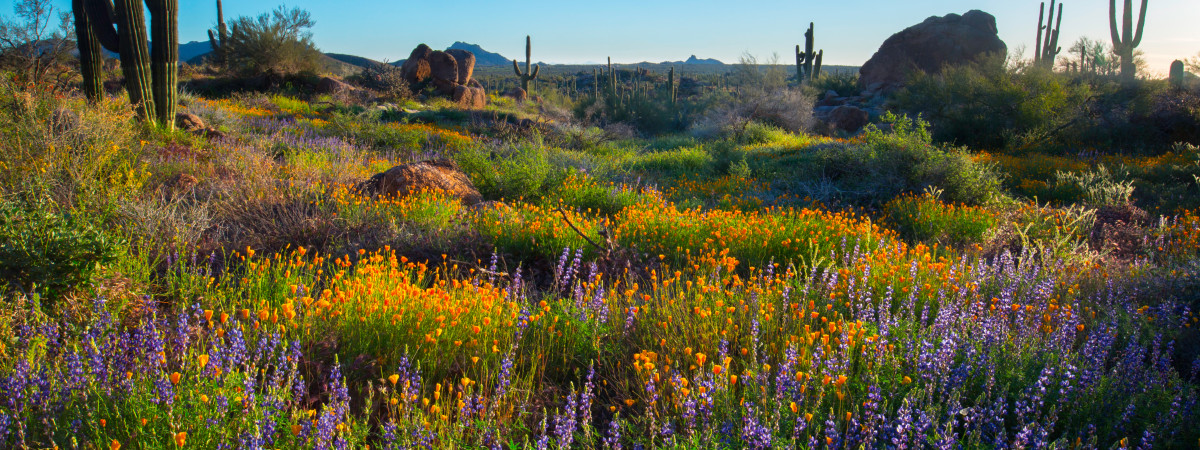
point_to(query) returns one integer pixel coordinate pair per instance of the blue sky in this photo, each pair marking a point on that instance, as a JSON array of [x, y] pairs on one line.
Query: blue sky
[[656, 30]]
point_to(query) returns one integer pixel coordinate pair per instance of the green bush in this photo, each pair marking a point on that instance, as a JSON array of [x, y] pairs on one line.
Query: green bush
[[48, 252], [881, 165], [926, 218], [517, 172], [277, 44], [994, 107]]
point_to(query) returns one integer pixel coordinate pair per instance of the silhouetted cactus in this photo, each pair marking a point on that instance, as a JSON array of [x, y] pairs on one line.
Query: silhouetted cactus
[[91, 59], [671, 85], [528, 75], [150, 80], [1125, 40], [1177, 74], [808, 63], [1047, 50], [218, 37]]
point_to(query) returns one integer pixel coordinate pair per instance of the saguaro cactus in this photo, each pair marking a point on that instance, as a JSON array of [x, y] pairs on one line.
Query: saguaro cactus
[[1125, 40], [1177, 74], [808, 63], [1047, 50], [528, 75], [671, 85], [217, 38], [164, 58], [91, 60], [150, 79]]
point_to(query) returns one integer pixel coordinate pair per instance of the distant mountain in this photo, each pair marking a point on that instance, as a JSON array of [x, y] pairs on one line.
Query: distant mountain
[[354, 60], [482, 57], [694, 60], [191, 50]]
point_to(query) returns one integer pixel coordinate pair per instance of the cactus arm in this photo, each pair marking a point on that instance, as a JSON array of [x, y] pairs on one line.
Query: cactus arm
[[1137, 39], [516, 68], [1112, 24], [101, 17], [817, 65], [1037, 52], [534, 75], [1055, 49]]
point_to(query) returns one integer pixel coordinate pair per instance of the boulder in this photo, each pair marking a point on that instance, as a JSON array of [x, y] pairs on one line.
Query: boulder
[[848, 118], [929, 46], [329, 85], [469, 97], [517, 94], [441, 175], [474, 83], [466, 64], [188, 121], [443, 70], [416, 68]]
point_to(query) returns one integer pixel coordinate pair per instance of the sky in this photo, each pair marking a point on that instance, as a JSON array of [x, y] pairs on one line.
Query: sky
[[669, 30]]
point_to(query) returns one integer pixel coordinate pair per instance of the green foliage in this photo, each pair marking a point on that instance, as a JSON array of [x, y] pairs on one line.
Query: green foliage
[[988, 106], [385, 79], [1100, 187], [520, 171], [275, 44], [46, 251], [926, 218], [882, 165]]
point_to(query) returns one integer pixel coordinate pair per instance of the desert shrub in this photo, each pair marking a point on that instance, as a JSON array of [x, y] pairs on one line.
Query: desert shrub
[[518, 171], [879, 166], [35, 49], [590, 195], [844, 83], [926, 218], [44, 250], [783, 108], [276, 43], [990, 106], [385, 79], [1099, 187], [79, 154], [673, 163]]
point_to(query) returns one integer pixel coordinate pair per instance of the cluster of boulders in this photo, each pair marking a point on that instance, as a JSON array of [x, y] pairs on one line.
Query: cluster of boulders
[[449, 72]]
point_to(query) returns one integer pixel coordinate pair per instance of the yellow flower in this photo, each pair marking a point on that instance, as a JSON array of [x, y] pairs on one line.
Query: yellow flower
[[175, 377], [393, 378], [203, 360], [114, 445], [180, 437]]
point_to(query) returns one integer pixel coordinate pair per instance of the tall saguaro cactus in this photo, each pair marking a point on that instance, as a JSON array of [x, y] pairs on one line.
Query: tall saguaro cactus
[[217, 38], [1176, 74], [671, 86], [808, 63], [1046, 51], [91, 60], [150, 78], [164, 58], [1125, 40], [528, 75]]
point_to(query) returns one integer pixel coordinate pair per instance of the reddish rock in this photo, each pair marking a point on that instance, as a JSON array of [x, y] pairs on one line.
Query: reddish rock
[[188, 121], [929, 46], [436, 175], [517, 94], [469, 97], [466, 64], [416, 68], [329, 85]]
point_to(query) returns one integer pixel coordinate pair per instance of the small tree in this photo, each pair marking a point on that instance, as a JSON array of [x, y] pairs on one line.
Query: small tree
[[30, 49], [276, 43]]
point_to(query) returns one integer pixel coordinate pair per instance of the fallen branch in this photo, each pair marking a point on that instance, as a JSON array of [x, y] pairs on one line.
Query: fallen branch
[[573, 227]]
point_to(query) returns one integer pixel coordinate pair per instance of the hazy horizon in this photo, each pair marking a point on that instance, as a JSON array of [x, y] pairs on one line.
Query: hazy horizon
[[849, 31]]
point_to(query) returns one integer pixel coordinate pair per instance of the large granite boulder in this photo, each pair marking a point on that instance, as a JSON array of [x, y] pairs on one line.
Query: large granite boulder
[[930, 45], [848, 118], [415, 69], [466, 64], [405, 179]]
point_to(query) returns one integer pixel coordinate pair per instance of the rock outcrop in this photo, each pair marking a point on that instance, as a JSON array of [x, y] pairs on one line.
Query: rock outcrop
[[929, 46], [848, 118], [439, 175], [449, 72]]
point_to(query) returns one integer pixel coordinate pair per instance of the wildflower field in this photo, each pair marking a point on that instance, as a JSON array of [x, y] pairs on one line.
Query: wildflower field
[[760, 290]]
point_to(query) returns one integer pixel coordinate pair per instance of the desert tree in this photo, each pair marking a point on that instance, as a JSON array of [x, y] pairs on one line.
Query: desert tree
[[35, 46]]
